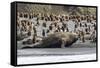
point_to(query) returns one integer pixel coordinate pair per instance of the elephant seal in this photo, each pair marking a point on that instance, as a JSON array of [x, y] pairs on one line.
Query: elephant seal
[[58, 40]]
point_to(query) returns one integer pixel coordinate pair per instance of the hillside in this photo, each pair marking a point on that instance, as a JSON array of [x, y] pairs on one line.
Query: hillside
[[56, 9]]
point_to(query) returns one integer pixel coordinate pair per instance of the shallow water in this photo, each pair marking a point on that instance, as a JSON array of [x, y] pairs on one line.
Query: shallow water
[[34, 56]]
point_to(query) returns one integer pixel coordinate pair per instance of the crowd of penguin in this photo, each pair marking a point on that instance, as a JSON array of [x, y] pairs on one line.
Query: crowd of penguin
[[37, 27]]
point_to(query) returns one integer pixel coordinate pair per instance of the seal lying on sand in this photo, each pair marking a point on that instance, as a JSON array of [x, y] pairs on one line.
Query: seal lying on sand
[[58, 40]]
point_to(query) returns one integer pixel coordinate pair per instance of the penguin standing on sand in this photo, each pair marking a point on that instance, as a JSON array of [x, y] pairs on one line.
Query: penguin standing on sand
[[43, 33]]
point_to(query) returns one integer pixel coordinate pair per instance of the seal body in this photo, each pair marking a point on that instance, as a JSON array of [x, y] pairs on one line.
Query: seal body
[[58, 40]]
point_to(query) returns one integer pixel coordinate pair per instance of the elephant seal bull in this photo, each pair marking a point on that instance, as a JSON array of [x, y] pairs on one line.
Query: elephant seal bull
[[58, 40]]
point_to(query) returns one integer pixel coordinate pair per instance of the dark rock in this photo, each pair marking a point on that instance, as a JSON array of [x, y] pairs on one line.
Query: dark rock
[[26, 47]]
